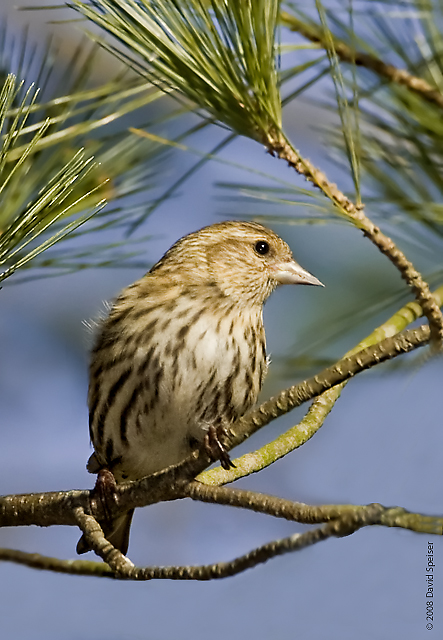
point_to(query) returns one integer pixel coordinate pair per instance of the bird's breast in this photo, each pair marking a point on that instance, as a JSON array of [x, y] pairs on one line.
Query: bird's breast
[[176, 375], [213, 366]]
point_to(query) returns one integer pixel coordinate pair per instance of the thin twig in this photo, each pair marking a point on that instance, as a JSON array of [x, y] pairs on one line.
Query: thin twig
[[95, 538], [310, 514], [46, 563], [123, 569], [312, 387], [347, 54], [55, 508], [278, 145], [296, 436]]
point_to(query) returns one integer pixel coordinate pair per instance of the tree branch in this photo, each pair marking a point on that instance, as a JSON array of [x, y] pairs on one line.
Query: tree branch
[[59, 508], [44, 509], [278, 145], [347, 54], [342, 520], [343, 370], [123, 569], [119, 563], [297, 435], [310, 514], [46, 563]]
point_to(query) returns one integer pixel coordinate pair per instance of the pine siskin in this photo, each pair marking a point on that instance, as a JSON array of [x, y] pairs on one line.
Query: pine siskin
[[183, 351]]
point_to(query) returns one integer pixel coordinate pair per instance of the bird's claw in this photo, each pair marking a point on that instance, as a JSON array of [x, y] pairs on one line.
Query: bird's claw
[[215, 447], [105, 492]]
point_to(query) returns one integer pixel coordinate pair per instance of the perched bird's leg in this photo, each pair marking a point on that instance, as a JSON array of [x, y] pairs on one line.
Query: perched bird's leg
[[105, 493], [214, 444]]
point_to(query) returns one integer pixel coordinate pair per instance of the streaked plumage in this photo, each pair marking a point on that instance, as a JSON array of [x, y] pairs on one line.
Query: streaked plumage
[[182, 349]]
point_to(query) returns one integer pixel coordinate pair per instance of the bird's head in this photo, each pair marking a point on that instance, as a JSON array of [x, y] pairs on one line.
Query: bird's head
[[242, 260]]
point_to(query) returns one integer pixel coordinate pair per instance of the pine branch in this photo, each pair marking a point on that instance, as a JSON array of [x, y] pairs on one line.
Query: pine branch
[[235, 80], [123, 568], [298, 435], [315, 33], [222, 59], [80, 508], [280, 146], [342, 520], [310, 514], [57, 508]]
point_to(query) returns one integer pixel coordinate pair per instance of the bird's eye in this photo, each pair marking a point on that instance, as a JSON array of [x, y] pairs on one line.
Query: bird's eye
[[262, 247]]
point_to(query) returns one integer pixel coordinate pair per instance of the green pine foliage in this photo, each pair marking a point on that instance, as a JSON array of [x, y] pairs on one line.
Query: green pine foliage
[[238, 66]]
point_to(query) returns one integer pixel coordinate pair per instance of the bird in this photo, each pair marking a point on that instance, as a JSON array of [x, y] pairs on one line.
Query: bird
[[182, 353]]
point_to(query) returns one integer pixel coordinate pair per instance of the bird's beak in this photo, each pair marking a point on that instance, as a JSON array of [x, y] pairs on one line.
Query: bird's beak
[[292, 273]]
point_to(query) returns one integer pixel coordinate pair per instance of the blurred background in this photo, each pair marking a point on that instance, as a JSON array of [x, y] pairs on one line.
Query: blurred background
[[383, 441]]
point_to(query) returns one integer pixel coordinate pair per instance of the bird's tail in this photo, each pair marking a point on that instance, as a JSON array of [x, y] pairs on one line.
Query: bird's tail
[[117, 533]]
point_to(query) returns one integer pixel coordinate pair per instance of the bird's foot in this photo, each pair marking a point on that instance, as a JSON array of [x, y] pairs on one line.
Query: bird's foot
[[105, 492], [215, 446]]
